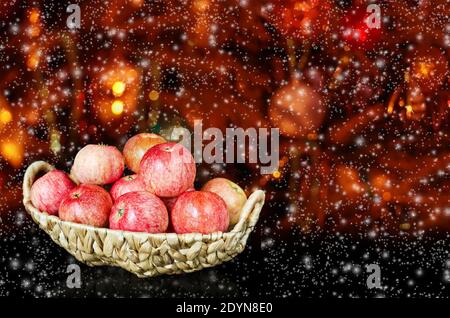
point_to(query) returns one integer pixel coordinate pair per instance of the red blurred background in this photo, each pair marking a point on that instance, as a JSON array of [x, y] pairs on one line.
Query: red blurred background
[[365, 143]]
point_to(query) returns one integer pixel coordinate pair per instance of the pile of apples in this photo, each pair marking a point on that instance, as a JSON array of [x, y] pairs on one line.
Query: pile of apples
[[160, 197]]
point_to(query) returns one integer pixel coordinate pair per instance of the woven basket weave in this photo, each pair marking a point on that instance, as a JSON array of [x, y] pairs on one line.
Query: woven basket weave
[[143, 254]]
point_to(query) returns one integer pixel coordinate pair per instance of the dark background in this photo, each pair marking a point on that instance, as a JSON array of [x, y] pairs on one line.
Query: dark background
[[273, 265]]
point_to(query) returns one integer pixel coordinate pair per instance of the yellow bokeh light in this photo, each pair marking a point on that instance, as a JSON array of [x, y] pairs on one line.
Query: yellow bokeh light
[[117, 107], [5, 116], [153, 95], [425, 69], [276, 174], [12, 153], [409, 111], [405, 226], [118, 88]]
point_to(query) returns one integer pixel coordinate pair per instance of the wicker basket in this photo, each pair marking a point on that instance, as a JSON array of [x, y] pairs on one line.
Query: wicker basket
[[143, 254]]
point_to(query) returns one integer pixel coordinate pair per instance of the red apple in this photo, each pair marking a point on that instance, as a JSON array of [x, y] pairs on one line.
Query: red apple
[[137, 146], [126, 184], [231, 193], [98, 164], [48, 191], [87, 204], [167, 170], [170, 202], [199, 212], [139, 212]]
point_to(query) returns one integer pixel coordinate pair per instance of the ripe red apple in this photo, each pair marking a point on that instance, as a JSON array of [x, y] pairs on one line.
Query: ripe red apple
[[199, 212], [167, 170], [231, 193], [139, 212], [126, 184], [170, 202], [87, 204], [98, 164], [137, 146], [48, 191]]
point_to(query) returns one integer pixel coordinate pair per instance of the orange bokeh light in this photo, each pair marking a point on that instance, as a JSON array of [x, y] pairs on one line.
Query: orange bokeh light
[[12, 152], [117, 107]]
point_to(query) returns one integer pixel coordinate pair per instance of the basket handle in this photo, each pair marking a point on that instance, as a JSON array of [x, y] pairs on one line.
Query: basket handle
[[30, 176], [250, 211]]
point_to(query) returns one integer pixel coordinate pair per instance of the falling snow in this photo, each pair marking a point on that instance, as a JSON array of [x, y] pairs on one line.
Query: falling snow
[[363, 115]]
